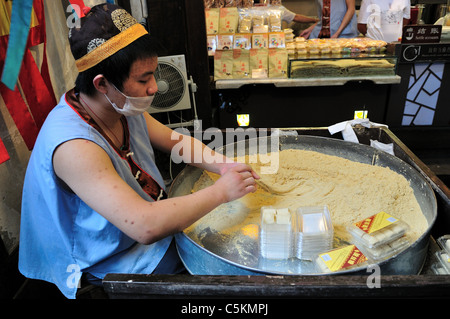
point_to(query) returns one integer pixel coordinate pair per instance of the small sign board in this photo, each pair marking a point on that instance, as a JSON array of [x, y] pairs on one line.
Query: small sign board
[[425, 52], [422, 33]]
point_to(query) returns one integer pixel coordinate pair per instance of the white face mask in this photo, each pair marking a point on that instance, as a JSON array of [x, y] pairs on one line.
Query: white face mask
[[133, 105]]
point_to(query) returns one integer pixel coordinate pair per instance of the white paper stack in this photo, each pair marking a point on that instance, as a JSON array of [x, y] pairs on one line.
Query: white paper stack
[[276, 235], [314, 232]]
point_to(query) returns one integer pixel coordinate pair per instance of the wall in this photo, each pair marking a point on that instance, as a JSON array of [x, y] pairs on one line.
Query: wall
[[12, 172], [306, 7], [11, 179]]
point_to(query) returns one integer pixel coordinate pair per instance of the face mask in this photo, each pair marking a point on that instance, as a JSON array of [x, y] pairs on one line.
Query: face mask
[[133, 105]]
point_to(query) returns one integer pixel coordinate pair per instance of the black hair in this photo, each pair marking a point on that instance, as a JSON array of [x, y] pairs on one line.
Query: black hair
[[116, 68]]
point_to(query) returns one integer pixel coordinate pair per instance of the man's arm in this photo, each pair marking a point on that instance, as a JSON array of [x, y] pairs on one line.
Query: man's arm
[[307, 32], [88, 171], [304, 19], [347, 18], [363, 16], [192, 150], [362, 27]]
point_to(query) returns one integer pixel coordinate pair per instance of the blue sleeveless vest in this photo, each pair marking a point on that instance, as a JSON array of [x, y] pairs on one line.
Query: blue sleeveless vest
[[60, 236]]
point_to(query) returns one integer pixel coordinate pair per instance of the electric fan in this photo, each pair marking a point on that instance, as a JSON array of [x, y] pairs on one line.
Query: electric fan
[[173, 85]]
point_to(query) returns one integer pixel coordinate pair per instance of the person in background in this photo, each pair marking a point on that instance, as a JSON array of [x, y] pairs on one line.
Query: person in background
[[383, 19], [289, 16], [337, 19], [94, 201], [286, 15], [291, 19]]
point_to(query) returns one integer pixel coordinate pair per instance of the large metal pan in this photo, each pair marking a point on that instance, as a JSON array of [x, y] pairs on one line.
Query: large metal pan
[[217, 259]]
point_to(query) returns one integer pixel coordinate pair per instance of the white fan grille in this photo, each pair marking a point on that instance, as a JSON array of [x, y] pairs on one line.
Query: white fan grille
[[171, 86]]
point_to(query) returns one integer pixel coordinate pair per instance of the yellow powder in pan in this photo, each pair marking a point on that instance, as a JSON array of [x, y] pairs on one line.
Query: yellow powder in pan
[[351, 190]]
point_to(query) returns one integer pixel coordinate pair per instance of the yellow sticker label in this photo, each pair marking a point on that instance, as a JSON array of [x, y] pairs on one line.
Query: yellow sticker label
[[360, 114], [376, 222], [243, 119], [344, 257]]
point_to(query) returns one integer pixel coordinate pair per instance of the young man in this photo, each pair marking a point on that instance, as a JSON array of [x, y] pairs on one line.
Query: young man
[[383, 19], [93, 199]]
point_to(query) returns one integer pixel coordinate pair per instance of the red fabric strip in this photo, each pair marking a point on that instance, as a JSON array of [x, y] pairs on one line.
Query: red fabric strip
[[4, 156], [39, 99], [37, 88], [37, 36], [20, 114], [16, 106]]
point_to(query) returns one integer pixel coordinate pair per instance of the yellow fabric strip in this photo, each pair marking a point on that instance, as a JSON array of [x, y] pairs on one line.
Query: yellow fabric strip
[[110, 47], [5, 17]]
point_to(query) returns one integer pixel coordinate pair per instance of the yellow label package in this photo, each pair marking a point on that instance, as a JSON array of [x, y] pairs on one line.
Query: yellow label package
[[378, 229], [245, 20], [259, 63], [212, 21], [242, 41], [241, 64], [228, 20], [225, 42], [259, 40], [278, 61], [211, 44], [223, 65], [375, 222], [340, 259], [276, 40]]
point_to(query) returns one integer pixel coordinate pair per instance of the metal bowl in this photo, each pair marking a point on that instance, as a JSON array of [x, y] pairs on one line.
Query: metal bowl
[[216, 258]]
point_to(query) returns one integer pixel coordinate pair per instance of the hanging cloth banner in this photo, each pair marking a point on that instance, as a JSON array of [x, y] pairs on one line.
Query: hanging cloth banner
[[17, 107], [30, 110], [4, 156], [5, 13], [37, 86], [20, 20]]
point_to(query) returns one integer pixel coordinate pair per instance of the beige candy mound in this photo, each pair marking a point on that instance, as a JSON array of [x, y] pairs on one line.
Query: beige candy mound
[[351, 190]]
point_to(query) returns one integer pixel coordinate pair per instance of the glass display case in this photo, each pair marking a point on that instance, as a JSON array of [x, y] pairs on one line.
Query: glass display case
[[343, 66], [329, 70]]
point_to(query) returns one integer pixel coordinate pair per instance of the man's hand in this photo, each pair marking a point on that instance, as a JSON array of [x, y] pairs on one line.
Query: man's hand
[[237, 180]]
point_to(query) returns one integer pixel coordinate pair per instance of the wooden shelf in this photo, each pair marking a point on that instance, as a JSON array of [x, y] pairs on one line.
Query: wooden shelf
[[330, 81]]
